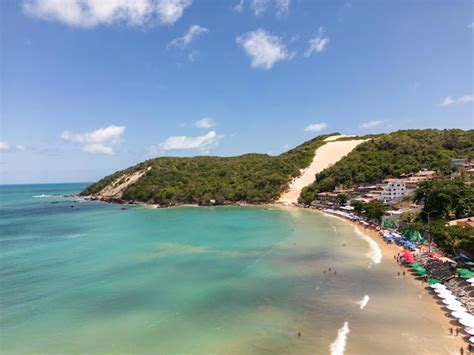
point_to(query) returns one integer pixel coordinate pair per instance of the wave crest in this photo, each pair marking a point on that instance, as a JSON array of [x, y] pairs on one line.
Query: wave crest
[[374, 253], [338, 347]]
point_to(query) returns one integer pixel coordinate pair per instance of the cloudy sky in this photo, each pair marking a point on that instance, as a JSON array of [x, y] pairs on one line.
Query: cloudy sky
[[93, 86]]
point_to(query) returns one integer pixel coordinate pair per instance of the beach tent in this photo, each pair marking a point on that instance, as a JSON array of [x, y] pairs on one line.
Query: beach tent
[[388, 223], [412, 235], [434, 281]]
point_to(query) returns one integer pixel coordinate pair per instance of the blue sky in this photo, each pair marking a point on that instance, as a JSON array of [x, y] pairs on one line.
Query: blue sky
[[90, 87]]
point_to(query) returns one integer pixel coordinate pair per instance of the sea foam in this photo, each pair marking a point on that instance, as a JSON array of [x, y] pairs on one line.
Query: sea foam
[[363, 302], [42, 195], [374, 253], [339, 345]]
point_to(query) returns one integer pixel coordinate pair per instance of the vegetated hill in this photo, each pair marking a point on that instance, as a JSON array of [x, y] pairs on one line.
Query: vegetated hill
[[253, 178], [394, 154]]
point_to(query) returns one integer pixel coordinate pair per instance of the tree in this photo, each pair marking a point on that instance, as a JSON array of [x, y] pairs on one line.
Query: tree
[[375, 210], [452, 238], [358, 205], [341, 199], [446, 199]]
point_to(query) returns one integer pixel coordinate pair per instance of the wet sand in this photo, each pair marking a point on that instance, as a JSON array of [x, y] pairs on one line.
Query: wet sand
[[390, 323]]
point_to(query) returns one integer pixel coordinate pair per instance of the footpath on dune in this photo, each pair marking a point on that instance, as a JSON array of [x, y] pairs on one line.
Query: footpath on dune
[[325, 156]]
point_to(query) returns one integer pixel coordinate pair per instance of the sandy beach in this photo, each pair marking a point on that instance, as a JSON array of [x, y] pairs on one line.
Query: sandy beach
[[407, 297]]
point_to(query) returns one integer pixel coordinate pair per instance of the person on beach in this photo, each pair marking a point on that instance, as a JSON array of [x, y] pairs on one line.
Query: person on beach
[[457, 331], [462, 350], [329, 269], [334, 272], [398, 273], [451, 330], [403, 273]]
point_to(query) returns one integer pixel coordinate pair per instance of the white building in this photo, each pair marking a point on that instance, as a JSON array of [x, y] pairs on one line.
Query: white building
[[393, 189]]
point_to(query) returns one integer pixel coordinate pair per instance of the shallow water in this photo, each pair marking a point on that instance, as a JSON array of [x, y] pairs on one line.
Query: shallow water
[[90, 277]]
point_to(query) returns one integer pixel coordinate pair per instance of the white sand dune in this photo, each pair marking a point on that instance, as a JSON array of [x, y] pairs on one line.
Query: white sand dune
[[324, 157], [116, 189], [336, 137]]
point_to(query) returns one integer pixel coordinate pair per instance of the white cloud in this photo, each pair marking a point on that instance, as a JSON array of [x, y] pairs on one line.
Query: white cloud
[[201, 143], [370, 124], [193, 32], [239, 7], [316, 127], [205, 122], [91, 13], [448, 100], [263, 48], [283, 7], [5, 146], [318, 43], [101, 140], [169, 11], [259, 6]]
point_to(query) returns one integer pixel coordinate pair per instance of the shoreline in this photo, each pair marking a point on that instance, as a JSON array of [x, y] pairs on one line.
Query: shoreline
[[425, 294]]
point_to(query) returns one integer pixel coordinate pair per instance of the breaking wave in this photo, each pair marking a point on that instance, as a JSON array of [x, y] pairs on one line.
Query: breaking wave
[[339, 345], [363, 302], [374, 253]]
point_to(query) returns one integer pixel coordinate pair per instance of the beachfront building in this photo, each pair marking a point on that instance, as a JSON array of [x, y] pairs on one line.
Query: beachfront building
[[393, 189], [463, 222]]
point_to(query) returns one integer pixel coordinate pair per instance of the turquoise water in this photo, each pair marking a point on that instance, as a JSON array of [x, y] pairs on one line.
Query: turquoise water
[[91, 277]]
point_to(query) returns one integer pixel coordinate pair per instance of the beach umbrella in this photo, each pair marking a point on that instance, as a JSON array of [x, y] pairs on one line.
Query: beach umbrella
[[465, 273], [471, 339], [469, 331], [456, 308], [438, 287], [447, 296], [452, 302], [461, 315], [434, 281], [467, 322]]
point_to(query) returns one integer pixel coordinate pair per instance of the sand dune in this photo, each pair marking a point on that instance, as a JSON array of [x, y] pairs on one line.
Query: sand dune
[[116, 189], [324, 157]]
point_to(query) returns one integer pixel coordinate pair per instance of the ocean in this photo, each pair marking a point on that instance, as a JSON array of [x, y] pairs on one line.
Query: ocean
[[90, 277]]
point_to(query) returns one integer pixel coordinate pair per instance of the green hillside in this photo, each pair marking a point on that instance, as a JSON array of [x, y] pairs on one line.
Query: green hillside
[[253, 178], [394, 154], [260, 178]]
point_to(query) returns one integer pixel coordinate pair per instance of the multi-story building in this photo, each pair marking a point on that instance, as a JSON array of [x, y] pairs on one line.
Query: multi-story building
[[393, 189]]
